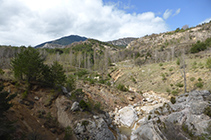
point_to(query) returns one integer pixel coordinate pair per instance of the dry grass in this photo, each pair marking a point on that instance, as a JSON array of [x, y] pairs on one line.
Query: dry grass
[[163, 78]]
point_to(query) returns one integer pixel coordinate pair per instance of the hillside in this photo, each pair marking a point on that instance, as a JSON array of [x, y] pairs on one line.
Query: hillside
[[178, 39], [61, 42]]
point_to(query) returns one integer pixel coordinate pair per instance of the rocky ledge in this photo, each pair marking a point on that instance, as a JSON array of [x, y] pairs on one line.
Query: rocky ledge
[[185, 117]]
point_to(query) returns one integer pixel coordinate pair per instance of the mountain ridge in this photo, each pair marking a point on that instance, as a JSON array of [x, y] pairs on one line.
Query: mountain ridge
[[63, 41]]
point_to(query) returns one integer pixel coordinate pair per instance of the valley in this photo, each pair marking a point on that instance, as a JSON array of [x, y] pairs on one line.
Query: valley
[[158, 87]]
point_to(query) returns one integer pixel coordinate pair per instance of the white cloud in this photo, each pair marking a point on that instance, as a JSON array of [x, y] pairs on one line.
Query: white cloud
[[167, 14], [32, 22], [206, 20], [177, 12]]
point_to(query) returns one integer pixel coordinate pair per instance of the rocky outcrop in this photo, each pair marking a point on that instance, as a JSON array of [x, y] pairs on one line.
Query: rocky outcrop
[[185, 119], [122, 41], [93, 129]]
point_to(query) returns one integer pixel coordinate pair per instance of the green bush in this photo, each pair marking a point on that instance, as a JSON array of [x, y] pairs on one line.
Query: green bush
[[173, 100], [192, 78], [160, 64], [24, 94], [122, 87], [97, 106], [6, 126], [199, 85], [1, 72], [168, 90], [171, 69], [83, 105], [175, 92], [208, 63], [207, 111], [199, 79], [199, 46], [70, 83], [178, 61], [179, 85], [163, 76], [68, 133], [81, 73]]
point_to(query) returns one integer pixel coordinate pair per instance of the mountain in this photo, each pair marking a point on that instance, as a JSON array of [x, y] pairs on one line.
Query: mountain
[[123, 42], [62, 41]]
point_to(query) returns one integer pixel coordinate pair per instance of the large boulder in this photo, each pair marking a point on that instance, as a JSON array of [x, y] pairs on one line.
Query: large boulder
[[127, 116]]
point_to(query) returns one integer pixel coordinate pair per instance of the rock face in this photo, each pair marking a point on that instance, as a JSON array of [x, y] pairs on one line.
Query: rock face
[[93, 129], [186, 119], [122, 42]]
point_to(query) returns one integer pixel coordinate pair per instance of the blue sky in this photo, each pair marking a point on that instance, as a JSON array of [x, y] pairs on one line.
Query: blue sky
[[31, 22], [192, 12]]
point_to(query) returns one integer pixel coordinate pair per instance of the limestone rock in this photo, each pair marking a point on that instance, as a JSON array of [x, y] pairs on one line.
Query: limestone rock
[[64, 90], [183, 120], [96, 129], [75, 106], [127, 116]]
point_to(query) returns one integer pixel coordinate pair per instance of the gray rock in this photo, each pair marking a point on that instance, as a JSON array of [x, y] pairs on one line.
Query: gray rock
[[64, 90], [181, 120], [75, 106], [96, 129], [128, 116]]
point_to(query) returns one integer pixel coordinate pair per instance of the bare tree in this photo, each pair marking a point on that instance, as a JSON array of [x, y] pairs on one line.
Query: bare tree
[[185, 27]]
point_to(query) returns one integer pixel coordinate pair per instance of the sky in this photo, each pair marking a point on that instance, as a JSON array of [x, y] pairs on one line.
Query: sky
[[31, 22]]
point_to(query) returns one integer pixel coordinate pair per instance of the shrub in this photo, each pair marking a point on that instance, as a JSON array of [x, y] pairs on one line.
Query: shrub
[[199, 79], [179, 85], [149, 117], [1, 72], [160, 64], [24, 94], [68, 133], [83, 105], [168, 90], [199, 85], [207, 111], [70, 83], [122, 87], [192, 78], [199, 46], [175, 92], [97, 106], [171, 69], [6, 126], [178, 61], [163, 76], [81, 73], [173, 100], [208, 63]]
